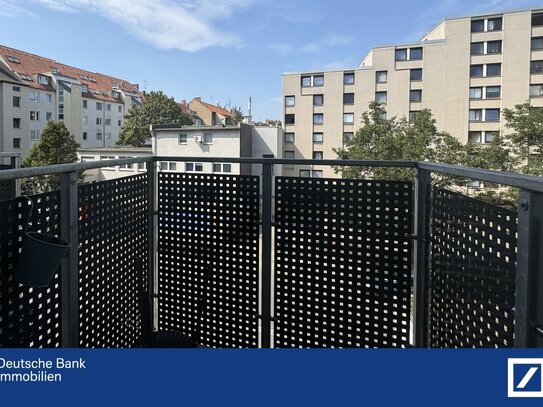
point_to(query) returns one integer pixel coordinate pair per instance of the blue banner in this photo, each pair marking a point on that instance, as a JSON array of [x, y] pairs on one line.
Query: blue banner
[[205, 377]]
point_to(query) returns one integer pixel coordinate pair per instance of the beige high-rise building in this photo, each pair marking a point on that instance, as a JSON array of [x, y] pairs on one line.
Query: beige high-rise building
[[465, 70]]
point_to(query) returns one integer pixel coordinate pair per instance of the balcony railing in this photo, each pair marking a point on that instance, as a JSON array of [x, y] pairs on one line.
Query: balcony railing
[[265, 261]]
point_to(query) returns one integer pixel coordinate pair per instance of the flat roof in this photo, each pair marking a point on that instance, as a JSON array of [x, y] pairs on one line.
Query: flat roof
[[193, 127], [119, 149]]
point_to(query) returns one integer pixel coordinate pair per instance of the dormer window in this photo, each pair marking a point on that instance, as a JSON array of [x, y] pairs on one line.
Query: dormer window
[[44, 80], [13, 59], [55, 71], [84, 89], [26, 77], [115, 95]]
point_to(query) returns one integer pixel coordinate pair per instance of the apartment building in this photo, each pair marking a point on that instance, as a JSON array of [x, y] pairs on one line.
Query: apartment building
[[465, 70], [37, 89]]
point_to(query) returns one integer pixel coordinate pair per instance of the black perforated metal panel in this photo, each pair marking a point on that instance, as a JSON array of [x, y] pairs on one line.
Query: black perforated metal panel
[[7, 187], [472, 276], [342, 262], [29, 317], [112, 256], [208, 257]]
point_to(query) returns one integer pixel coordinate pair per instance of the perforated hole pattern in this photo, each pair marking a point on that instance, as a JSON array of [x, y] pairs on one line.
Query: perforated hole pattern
[[112, 261], [29, 317], [343, 263], [472, 276], [209, 257]]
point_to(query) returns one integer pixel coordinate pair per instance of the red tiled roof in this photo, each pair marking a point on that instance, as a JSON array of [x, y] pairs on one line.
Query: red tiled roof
[[215, 109], [33, 65]]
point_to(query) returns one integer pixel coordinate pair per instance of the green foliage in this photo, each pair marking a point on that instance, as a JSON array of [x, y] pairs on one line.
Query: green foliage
[[56, 146], [238, 115], [157, 108]]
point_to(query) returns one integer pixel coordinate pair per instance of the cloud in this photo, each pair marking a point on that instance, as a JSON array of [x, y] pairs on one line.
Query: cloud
[[339, 64], [282, 49], [188, 25], [328, 42], [12, 8]]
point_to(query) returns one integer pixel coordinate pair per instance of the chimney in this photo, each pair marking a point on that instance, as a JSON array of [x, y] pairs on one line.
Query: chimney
[[199, 99], [184, 102]]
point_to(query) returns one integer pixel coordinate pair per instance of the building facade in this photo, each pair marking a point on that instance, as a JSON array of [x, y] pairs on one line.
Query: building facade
[[466, 70], [91, 105]]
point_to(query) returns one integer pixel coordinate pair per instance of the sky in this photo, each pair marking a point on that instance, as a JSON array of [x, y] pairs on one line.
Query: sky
[[224, 51]]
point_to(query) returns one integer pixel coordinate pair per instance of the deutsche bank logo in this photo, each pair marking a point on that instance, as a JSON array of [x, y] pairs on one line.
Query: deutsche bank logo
[[525, 378]]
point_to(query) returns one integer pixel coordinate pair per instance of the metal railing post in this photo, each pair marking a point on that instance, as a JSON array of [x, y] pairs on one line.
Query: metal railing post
[[420, 254], [267, 170], [69, 210], [152, 199], [529, 278]]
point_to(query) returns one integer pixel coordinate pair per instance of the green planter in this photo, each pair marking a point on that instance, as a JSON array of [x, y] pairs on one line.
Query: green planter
[[40, 259]]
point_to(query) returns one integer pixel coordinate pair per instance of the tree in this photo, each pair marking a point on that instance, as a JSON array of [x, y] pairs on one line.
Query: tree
[[156, 108], [237, 115], [380, 138], [56, 146], [526, 140]]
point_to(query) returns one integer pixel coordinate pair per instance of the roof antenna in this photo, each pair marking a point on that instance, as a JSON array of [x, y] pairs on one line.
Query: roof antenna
[[145, 85]]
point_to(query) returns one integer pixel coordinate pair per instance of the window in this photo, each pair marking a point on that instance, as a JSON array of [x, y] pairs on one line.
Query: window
[[84, 135], [164, 166], [536, 67], [48, 98], [415, 74], [44, 80], [288, 137], [172, 166], [305, 173], [16, 123], [142, 166], [26, 77], [108, 122], [318, 118], [492, 115], [61, 95], [115, 95], [84, 89], [120, 109], [494, 24], [85, 104], [34, 96], [85, 120], [98, 121], [415, 53], [288, 154], [401, 54], [318, 80], [306, 81], [182, 139], [477, 48], [537, 43], [493, 69], [13, 59], [108, 107], [537, 19], [536, 90], [98, 136], [348, 98], [348, 118], [224, 168], [348, 136], [48, 116], [318, 155], [475, 93], [98, 105], [125, 166], [16, 88], [475, 115], [194, 167], [494, 47], [61, 111], [16, 101], [489, 136], [381, 76], [477, 26], [119, 123], [415, 95], [34, 116], [493, 92], [208, 138], [381, 97], [16, 143], [474, 137], [318, 100], [348, 78], [290, 119], [475, 71], [318, 137], [289, 101], [316, 174], [34, 134]]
